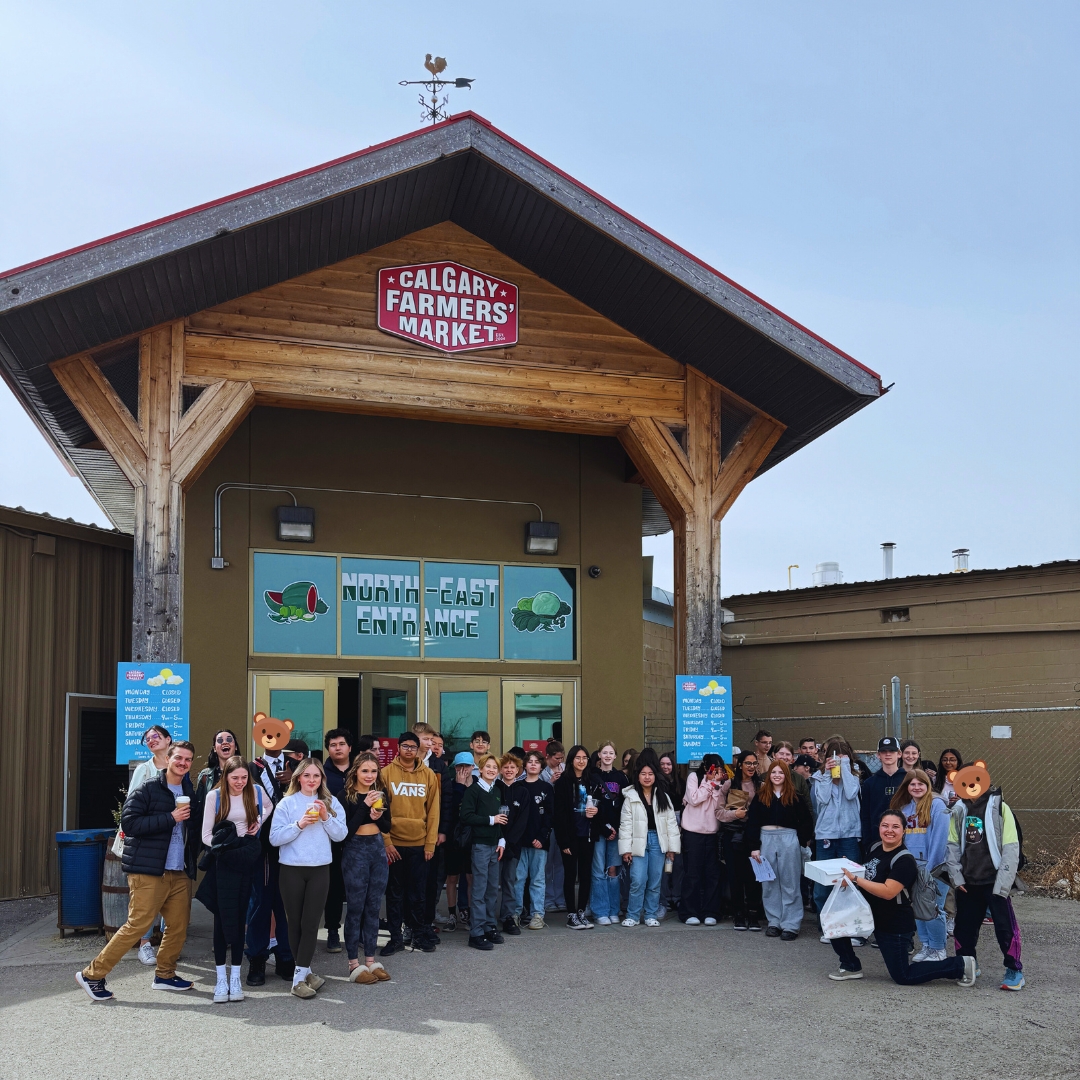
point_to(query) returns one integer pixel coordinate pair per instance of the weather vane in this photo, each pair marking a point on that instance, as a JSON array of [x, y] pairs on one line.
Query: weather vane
[[435, 109]]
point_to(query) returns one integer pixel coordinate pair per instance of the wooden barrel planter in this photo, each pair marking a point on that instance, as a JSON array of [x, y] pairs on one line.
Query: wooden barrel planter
[[114, 892]]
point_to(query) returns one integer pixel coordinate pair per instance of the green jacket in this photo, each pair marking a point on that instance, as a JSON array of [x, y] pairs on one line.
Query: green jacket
[[478, 807], [1001, 836]]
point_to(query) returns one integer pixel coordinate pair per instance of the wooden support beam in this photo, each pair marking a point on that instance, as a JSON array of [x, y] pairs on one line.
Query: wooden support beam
[[100, 406], [743, 461], [206, 427], [696, 489]]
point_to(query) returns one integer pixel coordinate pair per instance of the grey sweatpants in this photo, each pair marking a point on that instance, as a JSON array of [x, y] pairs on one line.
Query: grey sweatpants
[[782, 898]]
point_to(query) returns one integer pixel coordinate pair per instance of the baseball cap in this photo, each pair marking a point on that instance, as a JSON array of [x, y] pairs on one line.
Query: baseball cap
[[805, 760], [297, 746], [463, 758], [888, 743]]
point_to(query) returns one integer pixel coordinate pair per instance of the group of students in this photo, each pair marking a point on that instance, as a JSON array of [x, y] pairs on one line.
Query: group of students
[[287, 841]]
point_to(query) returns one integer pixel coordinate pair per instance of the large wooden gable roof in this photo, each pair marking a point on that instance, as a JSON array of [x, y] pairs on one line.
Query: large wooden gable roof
[[462, 171]]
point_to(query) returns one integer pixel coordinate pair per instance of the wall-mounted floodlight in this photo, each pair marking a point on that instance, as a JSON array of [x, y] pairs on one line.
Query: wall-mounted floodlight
[[296, 523], [542, 538]]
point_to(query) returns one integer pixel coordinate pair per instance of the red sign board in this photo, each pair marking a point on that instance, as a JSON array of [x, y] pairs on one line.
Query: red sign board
[[387, 750], [447, 306], [534, 744]]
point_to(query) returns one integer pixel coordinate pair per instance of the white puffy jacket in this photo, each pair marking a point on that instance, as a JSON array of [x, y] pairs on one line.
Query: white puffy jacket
[[634, 825]]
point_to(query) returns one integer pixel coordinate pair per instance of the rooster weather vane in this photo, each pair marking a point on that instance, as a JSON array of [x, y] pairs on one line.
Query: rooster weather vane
[[434, 109]]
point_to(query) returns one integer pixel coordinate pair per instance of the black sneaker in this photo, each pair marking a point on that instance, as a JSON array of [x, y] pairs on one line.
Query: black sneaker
[[740, 923], [773, 931], [95, 988], [333, 941], [511, 927], [494, 937], [285, 968], [175, 983], [584, 921], [753, 925], [425, 941], [463, 917], [789, 935], [256, 975], [481, 943], [391, 947], [574, 922]]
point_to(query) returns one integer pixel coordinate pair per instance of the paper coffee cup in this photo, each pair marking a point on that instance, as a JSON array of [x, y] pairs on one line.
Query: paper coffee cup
[[183, 800]]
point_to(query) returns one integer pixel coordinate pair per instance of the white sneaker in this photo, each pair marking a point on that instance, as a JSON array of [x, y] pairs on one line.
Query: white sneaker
[[221, 991], [652, 922], [921, 955], [858, 942], [662, 913], [710, 921], [236, 990], [146, 954], [937, 954], [693, 921], [629, 922], [602, 920], [825, 940]]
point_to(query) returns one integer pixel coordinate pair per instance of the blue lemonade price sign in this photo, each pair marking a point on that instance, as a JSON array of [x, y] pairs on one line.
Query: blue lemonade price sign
[[702, 716], [461, 611], [150, 694], [380, 607]]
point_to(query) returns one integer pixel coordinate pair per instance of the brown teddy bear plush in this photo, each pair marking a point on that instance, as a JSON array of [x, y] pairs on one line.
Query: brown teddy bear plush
[[270, 733], [971, 782]]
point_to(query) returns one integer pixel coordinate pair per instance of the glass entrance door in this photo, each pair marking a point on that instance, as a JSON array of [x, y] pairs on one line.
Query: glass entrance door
[[537, 711], [387, 704], [309, 701], [459, 705]]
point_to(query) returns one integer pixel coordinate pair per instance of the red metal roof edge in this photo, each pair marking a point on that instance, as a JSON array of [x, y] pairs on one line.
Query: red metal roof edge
[[456, 118]]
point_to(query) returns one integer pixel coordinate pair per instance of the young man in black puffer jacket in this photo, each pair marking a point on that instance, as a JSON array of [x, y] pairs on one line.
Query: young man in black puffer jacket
[[160, 865]]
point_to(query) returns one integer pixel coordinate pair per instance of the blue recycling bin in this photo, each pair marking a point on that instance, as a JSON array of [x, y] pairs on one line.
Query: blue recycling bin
[[80, 857]]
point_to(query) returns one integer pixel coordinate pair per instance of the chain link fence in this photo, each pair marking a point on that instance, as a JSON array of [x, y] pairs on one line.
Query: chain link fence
[[1028, 735]]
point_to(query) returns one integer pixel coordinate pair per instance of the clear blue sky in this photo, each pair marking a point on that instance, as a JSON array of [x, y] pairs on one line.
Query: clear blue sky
[[903, 181]]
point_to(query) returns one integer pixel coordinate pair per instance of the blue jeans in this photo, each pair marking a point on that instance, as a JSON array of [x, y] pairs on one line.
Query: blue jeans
[[847, 847], [532, 864], [485, 868], [932, 934], [645, 873], [604, 898]]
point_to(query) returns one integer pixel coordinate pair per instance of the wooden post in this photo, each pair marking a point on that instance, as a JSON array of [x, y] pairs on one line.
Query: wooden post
[[162, 454], [696, 489]]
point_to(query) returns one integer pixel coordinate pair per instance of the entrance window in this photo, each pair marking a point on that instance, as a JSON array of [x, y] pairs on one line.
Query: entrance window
[[305, 709], [535, 717], [389, 712], [461, 712]]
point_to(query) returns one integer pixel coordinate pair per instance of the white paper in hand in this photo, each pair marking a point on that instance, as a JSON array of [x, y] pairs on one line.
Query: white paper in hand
[[763, 871]]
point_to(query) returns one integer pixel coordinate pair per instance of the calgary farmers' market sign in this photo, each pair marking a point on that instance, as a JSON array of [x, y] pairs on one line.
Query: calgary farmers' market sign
[[448, 306]]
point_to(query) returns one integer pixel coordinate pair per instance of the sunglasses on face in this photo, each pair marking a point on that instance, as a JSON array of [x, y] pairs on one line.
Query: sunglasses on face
[[223, 740]]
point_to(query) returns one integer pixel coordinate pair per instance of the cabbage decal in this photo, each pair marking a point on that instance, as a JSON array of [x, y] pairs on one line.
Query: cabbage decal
[[298, 602], [544, 611]]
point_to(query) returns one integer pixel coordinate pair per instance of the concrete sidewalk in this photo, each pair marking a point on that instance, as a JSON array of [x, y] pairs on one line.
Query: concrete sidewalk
[[555, 1004]]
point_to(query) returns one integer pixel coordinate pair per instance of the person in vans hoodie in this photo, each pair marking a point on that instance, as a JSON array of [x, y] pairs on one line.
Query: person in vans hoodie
[[983, 856], [160, 865], [605, 785], [480, 812], [410, 844]]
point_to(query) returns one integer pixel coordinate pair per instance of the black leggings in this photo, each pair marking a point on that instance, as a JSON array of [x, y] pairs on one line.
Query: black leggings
[[222, 948], [578, 863], [303, 891]]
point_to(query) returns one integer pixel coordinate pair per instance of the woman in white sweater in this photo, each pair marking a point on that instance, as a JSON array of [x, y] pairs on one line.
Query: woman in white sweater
[[304, 823], [648, 837]]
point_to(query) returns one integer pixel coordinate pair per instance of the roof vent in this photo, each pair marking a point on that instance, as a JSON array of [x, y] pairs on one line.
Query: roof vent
[[960, 560], [828, 573], [887, 550]]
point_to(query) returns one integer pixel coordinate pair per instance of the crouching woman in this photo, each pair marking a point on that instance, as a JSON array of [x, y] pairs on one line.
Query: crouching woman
[[891, 872]]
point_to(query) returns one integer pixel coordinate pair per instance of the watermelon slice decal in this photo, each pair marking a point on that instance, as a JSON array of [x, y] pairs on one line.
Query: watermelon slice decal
[[298, 602]]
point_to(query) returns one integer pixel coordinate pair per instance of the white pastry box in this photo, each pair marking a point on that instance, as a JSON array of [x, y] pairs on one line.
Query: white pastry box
[[830, 871]]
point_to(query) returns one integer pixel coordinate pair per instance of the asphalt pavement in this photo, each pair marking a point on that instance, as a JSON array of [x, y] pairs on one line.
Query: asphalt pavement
[[555, 1004]]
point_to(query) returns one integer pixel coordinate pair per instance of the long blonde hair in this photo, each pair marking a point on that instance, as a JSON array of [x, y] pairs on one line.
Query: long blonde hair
[[352, 783], [251, 809], [903, 797], [323, 791]]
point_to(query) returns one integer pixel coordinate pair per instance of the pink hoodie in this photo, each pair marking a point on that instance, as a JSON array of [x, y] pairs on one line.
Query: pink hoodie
[[701, 804]]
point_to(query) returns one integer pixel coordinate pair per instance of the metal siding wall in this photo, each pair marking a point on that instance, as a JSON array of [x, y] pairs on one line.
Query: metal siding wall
[[67, 621]]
